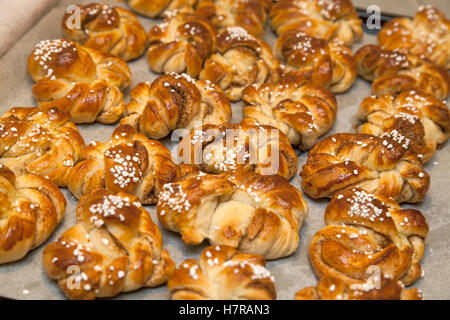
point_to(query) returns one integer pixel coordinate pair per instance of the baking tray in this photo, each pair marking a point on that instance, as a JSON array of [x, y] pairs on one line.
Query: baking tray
[[26, 279]]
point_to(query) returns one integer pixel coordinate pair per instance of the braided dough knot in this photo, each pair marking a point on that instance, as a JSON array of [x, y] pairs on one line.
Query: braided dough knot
[[393, 72], [223, 273], [337, 289], [302, 111], [176, 101], [365, 230], [115, 247], [326, 64], [427, 35], [81, 81], [380, 165], [253, 213], [239, 147], [248, 14], [108, 29], [181, 43], [31, 207], [420, 118], [240, 60], [45, 143], [325, 19], [128, 162]]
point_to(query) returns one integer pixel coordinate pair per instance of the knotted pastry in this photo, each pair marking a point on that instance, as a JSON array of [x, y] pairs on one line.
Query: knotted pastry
[[393, 72], [248, 14], [365, 231], [253, 213], [181, 43], [420, 118], [175, 101], [223, 273], [114, 247], [45, 143], [426, 35], [239, 147], [325, 19], [81, 81], [109, 29], [240, 60], [326, 64], [157, 8], [31, 207], [382, 165], [336, 289], [128, 162], [302, 111]]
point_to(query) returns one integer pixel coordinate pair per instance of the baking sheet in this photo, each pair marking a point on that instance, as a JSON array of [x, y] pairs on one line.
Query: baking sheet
[[292, 273]]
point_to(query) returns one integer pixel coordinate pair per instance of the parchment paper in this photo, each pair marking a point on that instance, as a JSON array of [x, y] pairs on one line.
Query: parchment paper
[[16, 21], [292, 273]]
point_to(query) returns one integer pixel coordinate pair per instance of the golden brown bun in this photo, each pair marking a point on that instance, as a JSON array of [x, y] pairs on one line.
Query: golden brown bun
[[302, 111], [115, 247], [45, 143], [223, 273], [426, 35], [336, 289], [181, 43], [393, 72], [108, 29], [239, 147], [368, 235], [241, 60], [253, 213], [31, 207], [248, 14], [328, 20], [128, 162], [157, 8], [81, 81], [175, 101], [326, 64], [420, 118], [380, 165]]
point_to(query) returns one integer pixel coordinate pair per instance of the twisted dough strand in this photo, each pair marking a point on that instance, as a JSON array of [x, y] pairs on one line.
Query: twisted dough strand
[[253, 213], [31, 207], [181, 43], [248, 14], [223, 273], [427, 35], [158, 8], [128, 162], [302, 111], [238, 147], [365, 230], [240, 60], [380, 165], [335, 289], [108, 29], [175, 101], [45, 143], [420, 118], [325, 19], [114, 247], [81, 81], [392, 72], [326, 64]]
